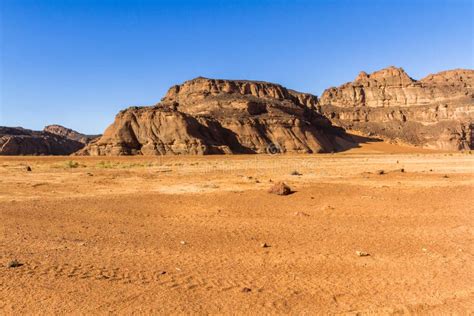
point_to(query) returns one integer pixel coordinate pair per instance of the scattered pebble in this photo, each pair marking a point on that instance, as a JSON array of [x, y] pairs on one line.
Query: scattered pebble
[[14, 264], [362, 253], [246, 290], [445, 176], [295, 173], [28, 168], [328, 207], [182, 242], [265, 245], [380, 172], [300, 214]]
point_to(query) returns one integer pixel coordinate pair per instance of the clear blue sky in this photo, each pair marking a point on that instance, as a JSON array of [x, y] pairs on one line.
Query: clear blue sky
[[77, 63]]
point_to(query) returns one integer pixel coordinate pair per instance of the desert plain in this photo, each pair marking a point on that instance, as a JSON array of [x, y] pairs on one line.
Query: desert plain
[[201, 234]]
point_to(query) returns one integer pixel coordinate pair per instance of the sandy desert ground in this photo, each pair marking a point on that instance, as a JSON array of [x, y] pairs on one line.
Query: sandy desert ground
[[185, 234]]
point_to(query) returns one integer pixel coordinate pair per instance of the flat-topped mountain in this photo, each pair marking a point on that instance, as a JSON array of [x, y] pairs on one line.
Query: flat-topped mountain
[[210, 116], [435, 112]]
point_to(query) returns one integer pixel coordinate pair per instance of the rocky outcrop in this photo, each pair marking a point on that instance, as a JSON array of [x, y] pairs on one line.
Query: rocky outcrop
[[208, 116], [69, 133], [20, 141], [435, 112]]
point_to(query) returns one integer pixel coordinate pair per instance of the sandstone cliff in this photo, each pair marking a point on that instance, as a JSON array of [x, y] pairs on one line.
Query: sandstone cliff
[[435, 112], [20, 141], [208, 116]]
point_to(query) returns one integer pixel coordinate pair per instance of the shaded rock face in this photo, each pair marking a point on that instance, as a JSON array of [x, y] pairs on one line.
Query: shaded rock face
[[20, 141], [207, 116], [435, 112], [69, 133]]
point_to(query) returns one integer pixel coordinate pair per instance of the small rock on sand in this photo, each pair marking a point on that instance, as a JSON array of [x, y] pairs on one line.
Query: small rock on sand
[[280, 188], [303, 214], [362, 253], [14, 264], [28, 168]]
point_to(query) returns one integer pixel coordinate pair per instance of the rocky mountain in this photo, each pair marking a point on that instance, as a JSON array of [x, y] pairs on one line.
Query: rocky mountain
[[435, 112], [69, 133], [20, 141], [209, 116]]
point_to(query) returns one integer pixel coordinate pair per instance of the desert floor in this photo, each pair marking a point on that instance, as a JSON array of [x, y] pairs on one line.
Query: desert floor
[[185, 234]]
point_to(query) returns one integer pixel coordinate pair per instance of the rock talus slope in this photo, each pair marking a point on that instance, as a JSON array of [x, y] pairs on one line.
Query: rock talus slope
[[435, 112], [209, 116]]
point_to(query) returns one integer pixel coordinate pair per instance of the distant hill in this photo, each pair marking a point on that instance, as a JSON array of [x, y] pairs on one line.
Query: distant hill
[[53, 140]]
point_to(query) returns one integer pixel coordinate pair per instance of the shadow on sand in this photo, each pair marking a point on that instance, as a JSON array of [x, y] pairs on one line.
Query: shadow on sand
[[350, 141]]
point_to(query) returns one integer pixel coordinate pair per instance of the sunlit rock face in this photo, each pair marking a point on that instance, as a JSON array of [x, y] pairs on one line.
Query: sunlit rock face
[[435, 112], [210, 116]]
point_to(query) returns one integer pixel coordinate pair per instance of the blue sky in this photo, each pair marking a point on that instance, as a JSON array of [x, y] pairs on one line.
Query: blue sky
[[77, 63]]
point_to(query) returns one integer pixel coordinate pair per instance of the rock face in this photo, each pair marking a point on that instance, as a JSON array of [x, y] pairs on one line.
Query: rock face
[[20, 141], [435, 112], [208, 116], [69, 133]]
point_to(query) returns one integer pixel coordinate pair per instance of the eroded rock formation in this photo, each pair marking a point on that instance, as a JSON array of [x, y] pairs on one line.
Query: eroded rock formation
[[20, 141], [435, 112], [208, 116]]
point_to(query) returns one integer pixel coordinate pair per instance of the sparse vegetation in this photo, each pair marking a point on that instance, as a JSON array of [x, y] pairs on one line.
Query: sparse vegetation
[[72, 164], [105, 165]]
